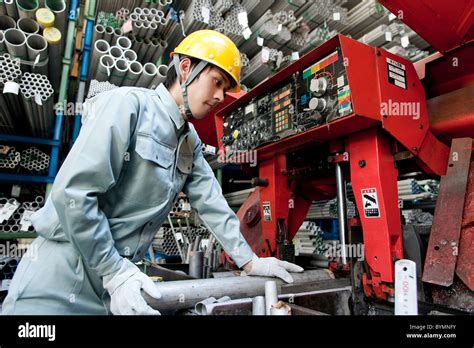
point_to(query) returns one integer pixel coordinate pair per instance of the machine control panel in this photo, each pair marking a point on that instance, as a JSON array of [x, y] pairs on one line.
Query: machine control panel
[[313, 96]]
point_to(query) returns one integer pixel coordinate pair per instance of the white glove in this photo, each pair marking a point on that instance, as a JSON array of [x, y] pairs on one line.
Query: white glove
[[125, 287], [272, 267]]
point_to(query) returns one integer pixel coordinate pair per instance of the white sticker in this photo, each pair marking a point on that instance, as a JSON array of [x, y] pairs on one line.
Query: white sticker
[[38, 99], [388, 36], [336, 16], [260, 41], [8, 210], [186, 206], [370, 203], [11, 87], [295, 56], [396, 77], [25, 222], [16, 189], [397, 64], [267, 212], [247, 33], [243, 19], [391, 17], [400, 84], [396, 70], [179, 237], [265, 54], [406, 295], [405, 41], [206, 14], [280, 27], [340, 81], [6, 284]]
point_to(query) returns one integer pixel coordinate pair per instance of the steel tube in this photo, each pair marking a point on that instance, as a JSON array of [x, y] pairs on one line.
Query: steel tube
[[3, 47], [196, 264], [133, 74], [28, 26], [129, 55], [341, 210], [109, 32], [38, 46], [160, 77], [258, 305], [271, 295], [116, 52], [58, 7], [101, 48], [7, 22], [183, 294], [106, 65], [149, 72], [27, 8], [119, 72], [115, 36], [98, 33], [124, 43], [15, 41], [11, 8]]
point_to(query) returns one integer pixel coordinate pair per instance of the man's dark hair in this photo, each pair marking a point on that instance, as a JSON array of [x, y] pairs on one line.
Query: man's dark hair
[[171, 75]]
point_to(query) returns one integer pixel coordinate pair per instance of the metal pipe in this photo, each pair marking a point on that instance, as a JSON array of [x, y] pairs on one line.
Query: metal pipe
[[27, 8], [58, 7], [133, 74], [15, 40], [124, 43], [129, 55], [183, 294], [11, 8], [101, 48], [160, 77], [54, 38], [149, 72], [119, 72], [106, 65], [109, 31], [3, 47], [98, 33], [341, 210], [7, 22], [28, 26], [196, 262], [271, 295], [208, 308], [38, 46], [115, 36], [258, 305], [116, 52]]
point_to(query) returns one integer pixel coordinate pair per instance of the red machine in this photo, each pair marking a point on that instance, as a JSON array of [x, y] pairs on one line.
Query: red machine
[[343, 112]]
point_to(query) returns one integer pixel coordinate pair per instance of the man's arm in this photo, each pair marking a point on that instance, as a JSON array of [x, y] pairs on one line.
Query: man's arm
[[91, 168], [205, 195]]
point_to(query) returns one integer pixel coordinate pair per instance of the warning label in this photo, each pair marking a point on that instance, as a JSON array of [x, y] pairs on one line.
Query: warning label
[[267, 213], [371, 203], [396, 73]]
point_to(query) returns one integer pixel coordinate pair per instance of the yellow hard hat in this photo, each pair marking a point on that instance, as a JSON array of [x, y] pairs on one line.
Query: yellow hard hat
[[215, 48]]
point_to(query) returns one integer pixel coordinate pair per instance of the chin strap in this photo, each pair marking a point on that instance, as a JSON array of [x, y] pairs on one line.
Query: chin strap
[[184, 87]]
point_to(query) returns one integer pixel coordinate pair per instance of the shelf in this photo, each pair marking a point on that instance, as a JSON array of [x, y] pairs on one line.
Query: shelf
[[17, 235]]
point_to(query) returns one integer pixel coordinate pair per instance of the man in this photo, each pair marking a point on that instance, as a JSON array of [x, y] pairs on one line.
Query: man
[[135, 153]]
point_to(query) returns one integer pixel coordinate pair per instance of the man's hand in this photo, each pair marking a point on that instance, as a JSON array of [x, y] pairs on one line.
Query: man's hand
[[125, 287], [271, 267]]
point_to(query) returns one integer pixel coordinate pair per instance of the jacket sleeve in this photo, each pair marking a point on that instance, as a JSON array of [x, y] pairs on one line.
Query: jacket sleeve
[[91, 168], [205, 195]]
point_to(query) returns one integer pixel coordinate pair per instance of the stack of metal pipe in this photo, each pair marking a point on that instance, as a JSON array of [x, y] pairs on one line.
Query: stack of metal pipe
[[112, 6], [328, 209], [235, 199], [122, 15], [308, 239], [118, 65], [165, 242], [148, 22], [37, 95], [8, 266], [9, 158], [262, 65], [148, 50], [17, 218], [34, 160], [10, 105], [362, 15], [97, 87]]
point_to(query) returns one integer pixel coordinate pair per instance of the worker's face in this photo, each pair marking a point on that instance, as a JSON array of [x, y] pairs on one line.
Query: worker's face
[[207, 90]]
